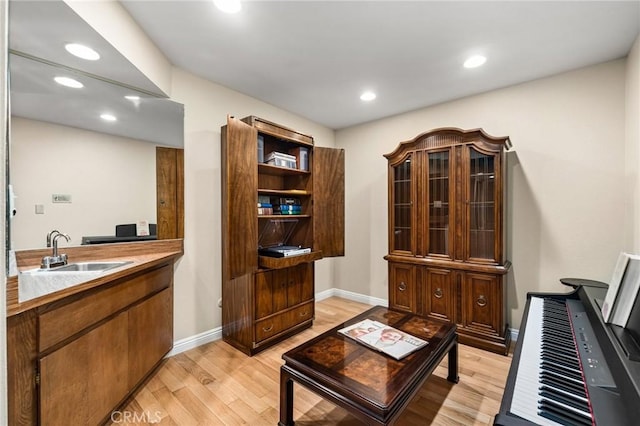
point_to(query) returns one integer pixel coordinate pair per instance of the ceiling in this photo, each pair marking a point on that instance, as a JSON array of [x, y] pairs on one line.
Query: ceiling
[[315, 58], [38, 31]]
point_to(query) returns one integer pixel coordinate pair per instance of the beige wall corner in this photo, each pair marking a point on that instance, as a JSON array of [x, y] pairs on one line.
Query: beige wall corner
[[632, 149]]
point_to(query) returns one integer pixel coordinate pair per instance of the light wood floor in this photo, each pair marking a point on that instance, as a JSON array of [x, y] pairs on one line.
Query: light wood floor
[[215, 384]]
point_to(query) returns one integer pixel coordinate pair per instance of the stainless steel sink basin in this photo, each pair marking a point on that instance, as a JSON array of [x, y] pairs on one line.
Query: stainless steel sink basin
[[38, 282], [78, 267], [88, 266]]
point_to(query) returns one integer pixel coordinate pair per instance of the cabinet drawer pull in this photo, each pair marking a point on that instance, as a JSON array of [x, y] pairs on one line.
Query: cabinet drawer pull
[[438, 293], [304, 314], [482, 301], [402, 286], [267, 329]]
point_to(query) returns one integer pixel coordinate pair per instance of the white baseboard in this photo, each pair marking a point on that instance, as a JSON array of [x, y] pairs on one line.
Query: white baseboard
[[349, 295], [203, 338]]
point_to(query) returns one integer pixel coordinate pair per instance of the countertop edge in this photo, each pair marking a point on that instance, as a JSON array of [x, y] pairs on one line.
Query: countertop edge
[[144, 254]]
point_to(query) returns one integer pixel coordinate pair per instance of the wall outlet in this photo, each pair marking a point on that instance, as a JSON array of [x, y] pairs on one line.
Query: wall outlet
[[39, 208], [61, 198]]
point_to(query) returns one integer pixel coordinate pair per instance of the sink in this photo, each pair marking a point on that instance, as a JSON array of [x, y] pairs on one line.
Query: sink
[[88, 266], [78, 267], [38, 282]]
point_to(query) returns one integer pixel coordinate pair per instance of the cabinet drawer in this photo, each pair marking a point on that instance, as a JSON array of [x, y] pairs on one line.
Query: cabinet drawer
[[60, 323], [271, 326]]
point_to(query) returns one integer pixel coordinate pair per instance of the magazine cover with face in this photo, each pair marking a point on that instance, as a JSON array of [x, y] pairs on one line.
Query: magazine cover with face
[[384, 338]]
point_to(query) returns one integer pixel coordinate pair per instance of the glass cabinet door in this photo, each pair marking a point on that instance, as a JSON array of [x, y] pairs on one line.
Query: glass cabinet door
[[482, 208], [402, 205], [439, 203]]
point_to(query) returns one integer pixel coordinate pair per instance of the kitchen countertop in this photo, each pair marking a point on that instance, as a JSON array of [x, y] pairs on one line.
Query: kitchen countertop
[[141, 255]]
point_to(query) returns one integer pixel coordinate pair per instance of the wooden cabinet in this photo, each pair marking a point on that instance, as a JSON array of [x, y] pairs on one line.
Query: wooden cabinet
[[79, 358], [446, 224], [266, 299]]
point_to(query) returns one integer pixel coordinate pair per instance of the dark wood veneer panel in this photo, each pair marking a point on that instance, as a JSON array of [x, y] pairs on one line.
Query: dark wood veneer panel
[[328, 199]]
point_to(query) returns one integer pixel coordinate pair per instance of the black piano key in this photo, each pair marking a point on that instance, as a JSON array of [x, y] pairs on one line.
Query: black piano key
[[561, 370], [565, 398], [562, 389], [567, 385], [561, 361], [574, 383], [561, 415]]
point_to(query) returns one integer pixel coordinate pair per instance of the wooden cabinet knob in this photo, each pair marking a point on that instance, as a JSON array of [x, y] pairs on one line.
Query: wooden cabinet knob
[[304, 314], [438, 293], [402, 286], [267, 329], [482, 301]]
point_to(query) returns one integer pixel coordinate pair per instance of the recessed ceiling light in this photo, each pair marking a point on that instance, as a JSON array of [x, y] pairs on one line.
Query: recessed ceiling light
[[69, 82], [228, 6], [132, 97], [367, 96], [82, 51], [108, 117], [475, 61]]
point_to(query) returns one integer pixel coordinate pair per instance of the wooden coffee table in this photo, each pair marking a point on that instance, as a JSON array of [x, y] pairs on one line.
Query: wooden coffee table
[[372, 386]]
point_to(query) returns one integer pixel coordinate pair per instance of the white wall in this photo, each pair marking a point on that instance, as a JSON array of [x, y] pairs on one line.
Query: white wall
[[198, 274], [112, 180], [566, 190], [632, 155]]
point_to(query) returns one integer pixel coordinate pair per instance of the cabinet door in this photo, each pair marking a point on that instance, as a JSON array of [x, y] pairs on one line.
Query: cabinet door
[[150, 334], [263, 294], [328, 201], [299, 288], [483, 199], [239, 199], [482, 303], [280, 289], [439, 295], [94, 370], [402, 285], [440, 198], [401, 215]]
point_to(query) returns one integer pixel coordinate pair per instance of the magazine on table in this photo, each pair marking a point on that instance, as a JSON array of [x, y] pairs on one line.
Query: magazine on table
[[384, 338]]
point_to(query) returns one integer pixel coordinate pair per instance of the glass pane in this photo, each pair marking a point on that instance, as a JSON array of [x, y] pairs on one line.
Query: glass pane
[[439, 202], [481, 205], [402, 206]]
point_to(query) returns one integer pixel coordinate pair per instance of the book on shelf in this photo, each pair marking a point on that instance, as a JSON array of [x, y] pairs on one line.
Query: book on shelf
[[284, 207], [384, 338], [627, 294], [290, 201]]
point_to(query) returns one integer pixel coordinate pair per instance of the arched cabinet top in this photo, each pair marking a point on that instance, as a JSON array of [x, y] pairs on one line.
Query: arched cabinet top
[[450, 136]]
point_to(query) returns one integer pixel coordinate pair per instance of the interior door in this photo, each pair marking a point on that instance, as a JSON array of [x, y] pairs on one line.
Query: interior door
[[170, 192], [328, 201]]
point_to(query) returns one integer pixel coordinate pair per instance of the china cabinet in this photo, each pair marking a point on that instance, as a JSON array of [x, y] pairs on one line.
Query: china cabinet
[[282, 209], [446, 232]]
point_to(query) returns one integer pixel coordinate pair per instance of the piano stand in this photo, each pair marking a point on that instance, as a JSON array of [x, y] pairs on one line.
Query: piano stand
[[577, 282]]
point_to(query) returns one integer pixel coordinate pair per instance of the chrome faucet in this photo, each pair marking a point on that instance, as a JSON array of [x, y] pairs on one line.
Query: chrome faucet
[[50, 235], [55, 259]]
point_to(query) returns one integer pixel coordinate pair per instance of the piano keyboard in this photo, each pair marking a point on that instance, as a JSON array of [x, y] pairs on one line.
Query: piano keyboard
[[550, 387]]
